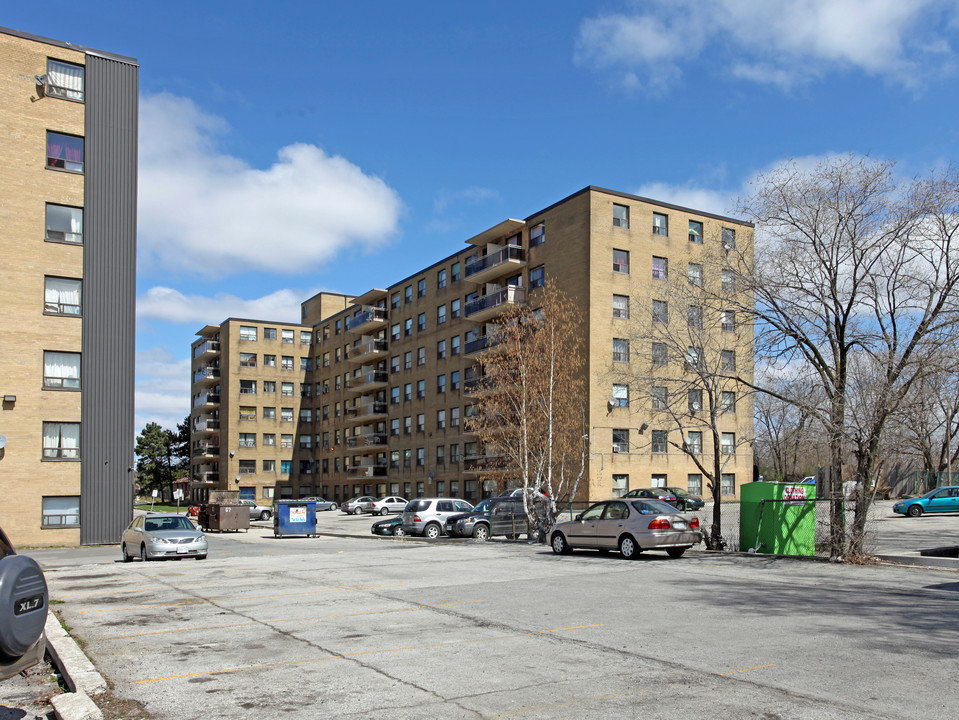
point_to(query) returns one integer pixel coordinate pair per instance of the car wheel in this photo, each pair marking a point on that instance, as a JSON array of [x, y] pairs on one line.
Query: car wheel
[[481, 532], [332, 507], [399, 532], [432, 531], [143, 553], [675, 552], [126, 555], [384, 511], [201, 557], [560, 546], [628, 547], [914, 511], [266, 515]]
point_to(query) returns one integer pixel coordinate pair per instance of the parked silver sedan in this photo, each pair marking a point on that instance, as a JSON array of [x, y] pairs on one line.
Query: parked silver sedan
[[321, 503], [155, 537], [385, 505], [631, 526]]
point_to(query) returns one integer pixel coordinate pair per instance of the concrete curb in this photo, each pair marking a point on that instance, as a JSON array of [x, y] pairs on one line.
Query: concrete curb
[[79, 674]]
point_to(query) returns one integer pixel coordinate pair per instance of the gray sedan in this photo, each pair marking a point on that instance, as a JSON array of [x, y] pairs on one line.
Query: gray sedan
[[154, 537], [321, 503], [630, 526]]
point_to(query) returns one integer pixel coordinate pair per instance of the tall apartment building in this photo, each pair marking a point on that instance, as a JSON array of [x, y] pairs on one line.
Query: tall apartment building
[[370, 394], [68, 153]]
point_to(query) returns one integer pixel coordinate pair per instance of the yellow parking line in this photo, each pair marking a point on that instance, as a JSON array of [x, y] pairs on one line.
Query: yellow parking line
[[245, 597], [341, 656], [754, 667], [284, 620]]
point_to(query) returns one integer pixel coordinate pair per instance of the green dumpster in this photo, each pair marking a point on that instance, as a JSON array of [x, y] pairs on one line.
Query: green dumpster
[[778, 518]]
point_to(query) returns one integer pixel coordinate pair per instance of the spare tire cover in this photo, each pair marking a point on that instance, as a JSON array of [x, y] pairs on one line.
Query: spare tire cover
[[23, 604]]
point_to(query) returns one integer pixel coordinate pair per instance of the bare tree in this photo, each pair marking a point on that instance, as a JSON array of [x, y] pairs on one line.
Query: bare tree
[[530, 414], [850, 261], [788, 437]]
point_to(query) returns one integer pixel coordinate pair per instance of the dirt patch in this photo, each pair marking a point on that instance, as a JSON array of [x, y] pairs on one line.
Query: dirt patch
[[117, 708]]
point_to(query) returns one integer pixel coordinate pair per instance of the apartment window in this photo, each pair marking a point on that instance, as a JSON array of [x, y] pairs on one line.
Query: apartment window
[[395, 332], [286, 440], [659, 354], [421, 322], [269, 333], [248, 332], [247, 412], [694, 357], [408, 327], [286, 389], [306, 390], [455, 345], [454, 454], [621, 306], [286, 362], [306, 441], [620, 350], [247, 440], [325, 412], [694, 316], [658, 439], [729, 321], [408, 294], [247, 387], [537, 235], [61, 441], [394, 459], [660, 224], [63, 511], [454, 417], [65, 152], [269, 466], [440, 455], [336, 409], [269, 439], [408, 425], [729, 443], [421, 388], [394, 395], [420, 457], [64, 224], [694, 274], [269, 361], [660, 268], [408, 360], [471, 410], [338, 327], [621, 261], [729, 239], [441, 350], [695, 232], [537, 277], [306, 415], [408, 391], [337, 355], [305, 364], [306, 337], [247, 467], [285, 467], [421, 422], [440, 315], [620, 216], [395, 427], [694, 400], [728, 484], [620, 395], [727, 361], [727, 402], [395, 301], [440, 384], [660, 311], [455, 272], [64, 80], [395, 364], [441, 279], [729, 282], [694, 442], [61, 296], [694, 484], [61, 370], [269, 413], [440, 419], [248, 360], [455, 308], [286, 414], [659, 397], [455, 380], [620, 440], [620, 485], [657, 480]]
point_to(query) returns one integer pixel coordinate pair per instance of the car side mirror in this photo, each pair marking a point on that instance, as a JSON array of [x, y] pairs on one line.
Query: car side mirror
[[579, 517]]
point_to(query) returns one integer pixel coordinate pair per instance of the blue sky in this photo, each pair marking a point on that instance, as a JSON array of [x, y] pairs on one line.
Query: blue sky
[[290, 148]]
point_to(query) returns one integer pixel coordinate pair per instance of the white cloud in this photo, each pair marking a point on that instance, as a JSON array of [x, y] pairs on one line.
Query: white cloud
[[203, 210], [162, 388], [472, 195], [779, 43], [167, 304], [715, 201]]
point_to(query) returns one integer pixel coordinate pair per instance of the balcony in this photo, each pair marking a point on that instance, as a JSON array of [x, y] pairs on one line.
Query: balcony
[[206, 399], [367, 413], [507, 261], [205, 375], [367, 382], [483, 342], [206, 350], [209, 478], [489, 306], [207, 425], [475, 464], [371, 441], [206, 449], [367, 351], [368, 320], [362, 472]]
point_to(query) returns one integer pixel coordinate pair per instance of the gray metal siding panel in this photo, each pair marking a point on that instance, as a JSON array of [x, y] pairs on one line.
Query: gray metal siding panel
[[109, 299]]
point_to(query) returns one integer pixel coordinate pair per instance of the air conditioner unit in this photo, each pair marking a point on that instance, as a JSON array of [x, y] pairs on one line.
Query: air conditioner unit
[[696, 407]]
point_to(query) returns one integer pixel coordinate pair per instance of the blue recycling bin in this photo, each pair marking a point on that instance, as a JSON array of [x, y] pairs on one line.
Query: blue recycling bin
[[294, 517]]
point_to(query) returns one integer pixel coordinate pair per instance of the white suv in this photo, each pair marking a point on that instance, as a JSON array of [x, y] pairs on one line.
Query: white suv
[[427, 516]]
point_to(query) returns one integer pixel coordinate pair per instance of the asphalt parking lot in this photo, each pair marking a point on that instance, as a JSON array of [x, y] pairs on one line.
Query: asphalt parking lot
[[355, 627]]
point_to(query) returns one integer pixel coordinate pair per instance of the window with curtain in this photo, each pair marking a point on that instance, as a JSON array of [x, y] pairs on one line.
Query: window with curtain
[[61, 441], [65, 152], [620, 395], [61, 511], [61, 296], [61, 370], [65, 80], [64, 223]]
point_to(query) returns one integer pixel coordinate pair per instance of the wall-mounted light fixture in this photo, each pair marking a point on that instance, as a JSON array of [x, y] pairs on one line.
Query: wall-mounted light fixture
[[9, 398]]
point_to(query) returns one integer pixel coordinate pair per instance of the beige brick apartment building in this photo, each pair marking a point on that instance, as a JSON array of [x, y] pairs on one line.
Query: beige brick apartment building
[[370, 393], [68, 133]]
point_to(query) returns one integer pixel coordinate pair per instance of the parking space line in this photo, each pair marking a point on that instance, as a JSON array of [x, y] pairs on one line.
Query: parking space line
[[754, 667], [343, 656], [283, 620], [355, 588]]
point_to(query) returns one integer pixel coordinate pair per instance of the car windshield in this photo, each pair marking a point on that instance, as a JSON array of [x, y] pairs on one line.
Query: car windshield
[[654, 506], [167, 523], [678, 492], [417, 506], [482, 507]]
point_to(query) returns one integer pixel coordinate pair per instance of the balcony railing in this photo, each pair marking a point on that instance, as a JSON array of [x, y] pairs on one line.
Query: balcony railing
[[368, 471], [367, 349], [492, 304], [208, 346], [201, 449], [363, 441], [206, 477], [368, 409], [206, 425], [206, 373], [206, 399], [376, 377], [367, 318], [494, 264]]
